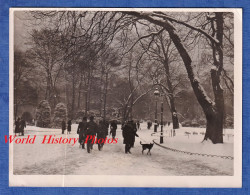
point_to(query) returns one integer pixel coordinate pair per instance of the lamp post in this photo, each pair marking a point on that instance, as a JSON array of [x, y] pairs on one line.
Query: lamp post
[[156, 93], [161, 138]]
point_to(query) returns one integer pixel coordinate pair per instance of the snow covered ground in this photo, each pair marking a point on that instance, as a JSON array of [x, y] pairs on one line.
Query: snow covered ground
[[58, 159]]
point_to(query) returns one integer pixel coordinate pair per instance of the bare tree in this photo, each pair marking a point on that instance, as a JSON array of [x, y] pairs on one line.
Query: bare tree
[[214, 110]]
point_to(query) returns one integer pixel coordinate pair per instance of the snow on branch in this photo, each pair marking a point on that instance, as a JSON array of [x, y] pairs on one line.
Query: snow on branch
[[164, 16]]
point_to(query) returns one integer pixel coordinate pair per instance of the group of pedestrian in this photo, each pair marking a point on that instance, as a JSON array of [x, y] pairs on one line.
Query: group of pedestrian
[[100, 131], [91, 128], [20, 124]]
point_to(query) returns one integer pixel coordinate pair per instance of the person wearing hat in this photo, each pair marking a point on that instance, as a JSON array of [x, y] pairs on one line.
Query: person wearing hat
[[129, 134], [63, 126], [102, 133], [17, 126], [113, 127], [81, 130]]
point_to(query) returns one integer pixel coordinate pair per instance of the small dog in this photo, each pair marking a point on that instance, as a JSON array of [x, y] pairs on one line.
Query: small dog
[[147, 146]]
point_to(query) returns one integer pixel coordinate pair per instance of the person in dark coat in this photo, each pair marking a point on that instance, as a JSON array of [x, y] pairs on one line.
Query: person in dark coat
[[17, 126], [102, 133], [107, 124], [128, 134], [91, 131], [81, 130], [175, 121], [138, 125], [113, 127], [135, 130], [22, 126], [63, 126], [69, 127], [149, 124]]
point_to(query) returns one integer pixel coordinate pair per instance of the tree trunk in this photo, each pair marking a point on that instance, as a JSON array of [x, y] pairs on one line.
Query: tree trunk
[[105, 96], [73, 96], [89, 90], [101, 92], [215, 120], [86, 94], [79, 94], [214, 129], [171, 96]]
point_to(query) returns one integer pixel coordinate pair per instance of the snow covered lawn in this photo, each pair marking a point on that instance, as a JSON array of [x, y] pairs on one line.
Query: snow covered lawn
[[51, 159], [193, 142]]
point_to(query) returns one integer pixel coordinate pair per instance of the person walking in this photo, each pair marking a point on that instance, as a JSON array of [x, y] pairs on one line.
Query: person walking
[[17, 126], [102, 133], [128, 134], [91, 131], [113, 127], [138, 125], [149, 124], [81, 130], [22, 126], [135, 130], [69, 127], [63, 126]]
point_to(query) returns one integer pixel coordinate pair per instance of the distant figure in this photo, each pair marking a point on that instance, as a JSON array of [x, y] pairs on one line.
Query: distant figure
[[81, 130], [149, 124], [175, 121], [91, 131], [135, 130], [17, 126], [63, 126], [113, 127], [168, 123], [138, 125], [128, 134], [69, 127], [22, 126], [102, 133]]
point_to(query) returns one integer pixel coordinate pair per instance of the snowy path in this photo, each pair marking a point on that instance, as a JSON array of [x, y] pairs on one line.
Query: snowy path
[[60, 159]]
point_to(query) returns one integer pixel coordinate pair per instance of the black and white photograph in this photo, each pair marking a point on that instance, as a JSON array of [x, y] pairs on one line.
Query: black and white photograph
[[125, 97]]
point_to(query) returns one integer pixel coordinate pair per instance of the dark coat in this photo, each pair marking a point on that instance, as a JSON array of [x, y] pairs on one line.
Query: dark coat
[[69, 125], [22, 125], [113, 127], [92, 128], [129, 134], [63, 125], [102, 131], [17, 126], [135, 130], [81, 130], [138, 125]]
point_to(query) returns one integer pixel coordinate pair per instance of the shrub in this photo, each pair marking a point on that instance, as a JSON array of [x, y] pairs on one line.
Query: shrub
[[79, 115], [60, 114], [27, 116], [186, 123], [43, 114]]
